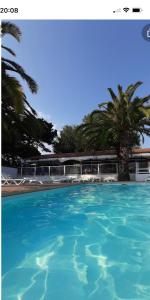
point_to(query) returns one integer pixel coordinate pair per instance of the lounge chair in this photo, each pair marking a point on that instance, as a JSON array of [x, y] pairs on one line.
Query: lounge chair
[[6, 179], [32, 180], [147, 178], [96, 179], [62, 179], [109, 179], [78, 180], [83, 178]]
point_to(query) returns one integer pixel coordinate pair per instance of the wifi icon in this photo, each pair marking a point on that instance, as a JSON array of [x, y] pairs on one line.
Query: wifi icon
[[126, 9]]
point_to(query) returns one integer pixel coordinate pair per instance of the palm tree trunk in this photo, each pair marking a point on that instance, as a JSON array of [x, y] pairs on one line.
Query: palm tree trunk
[[123, 164]]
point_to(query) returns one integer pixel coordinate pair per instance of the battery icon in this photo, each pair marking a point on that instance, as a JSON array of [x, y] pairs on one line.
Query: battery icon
[[136, 10]]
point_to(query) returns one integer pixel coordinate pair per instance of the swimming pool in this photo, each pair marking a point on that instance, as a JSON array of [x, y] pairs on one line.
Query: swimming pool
[[83, 242]]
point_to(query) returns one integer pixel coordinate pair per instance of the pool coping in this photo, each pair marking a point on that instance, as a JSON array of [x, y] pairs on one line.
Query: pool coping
[[12, 190]]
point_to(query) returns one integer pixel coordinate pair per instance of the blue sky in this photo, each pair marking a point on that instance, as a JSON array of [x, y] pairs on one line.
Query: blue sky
[[74, 62]]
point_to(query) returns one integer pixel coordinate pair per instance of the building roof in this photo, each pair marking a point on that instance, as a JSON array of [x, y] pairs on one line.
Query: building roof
[[137, 151]]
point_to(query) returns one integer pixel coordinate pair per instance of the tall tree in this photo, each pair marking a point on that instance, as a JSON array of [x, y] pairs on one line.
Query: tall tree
[[70, 139], [12, 91], [66, 141], [26, 137], [23, 133], [120, 123]]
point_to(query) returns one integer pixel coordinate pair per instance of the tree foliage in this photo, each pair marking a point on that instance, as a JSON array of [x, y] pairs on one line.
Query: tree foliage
[[120, 123], [71, 140], [23, 132]]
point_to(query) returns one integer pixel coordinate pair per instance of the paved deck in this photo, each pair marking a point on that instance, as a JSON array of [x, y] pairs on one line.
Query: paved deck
[[12, 189]]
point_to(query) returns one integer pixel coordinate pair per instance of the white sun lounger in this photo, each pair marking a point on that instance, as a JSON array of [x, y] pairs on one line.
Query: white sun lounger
[[83, 178], [147, 178], [109, 179], [32, 180], [62, 179], [6, 180], [76, 180]]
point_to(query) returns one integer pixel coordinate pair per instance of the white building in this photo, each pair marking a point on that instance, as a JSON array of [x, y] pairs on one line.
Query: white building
[[99, 163]]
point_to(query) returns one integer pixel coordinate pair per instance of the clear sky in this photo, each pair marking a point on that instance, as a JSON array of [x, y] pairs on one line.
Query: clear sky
[[74, 62]]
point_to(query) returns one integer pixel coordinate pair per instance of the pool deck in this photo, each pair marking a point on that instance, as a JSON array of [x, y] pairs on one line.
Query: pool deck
[[9, 190]]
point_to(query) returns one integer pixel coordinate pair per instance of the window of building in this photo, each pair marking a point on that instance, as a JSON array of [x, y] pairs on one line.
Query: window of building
[[143, 167]]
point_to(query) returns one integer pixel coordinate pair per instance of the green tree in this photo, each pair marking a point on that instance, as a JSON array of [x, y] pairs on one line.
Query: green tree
[[66, 141], [70, 140], [120, 123], [12, 90], [26, 136], [23, 133]]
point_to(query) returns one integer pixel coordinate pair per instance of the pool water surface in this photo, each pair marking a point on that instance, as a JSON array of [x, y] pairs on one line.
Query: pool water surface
[[83, 242]]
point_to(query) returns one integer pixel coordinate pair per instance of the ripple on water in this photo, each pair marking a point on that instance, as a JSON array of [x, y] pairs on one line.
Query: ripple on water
[[84, 242]]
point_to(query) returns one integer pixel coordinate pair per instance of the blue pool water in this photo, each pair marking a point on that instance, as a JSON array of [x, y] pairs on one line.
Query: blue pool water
[[77, 243]]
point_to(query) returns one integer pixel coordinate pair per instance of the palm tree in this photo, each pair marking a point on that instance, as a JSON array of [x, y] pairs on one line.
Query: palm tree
[[12, 91], [14, 103], [120, 123]]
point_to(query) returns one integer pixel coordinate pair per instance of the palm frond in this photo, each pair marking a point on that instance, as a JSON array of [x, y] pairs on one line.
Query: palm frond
[[131, 89], [112, 94], [9, 50], [120, 91], [12, 92], [12, 29], [104, 104], [31, 108], [13, 66]]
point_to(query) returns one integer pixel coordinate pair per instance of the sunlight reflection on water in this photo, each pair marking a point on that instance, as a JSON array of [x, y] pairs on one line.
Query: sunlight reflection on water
[[83, 242]]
